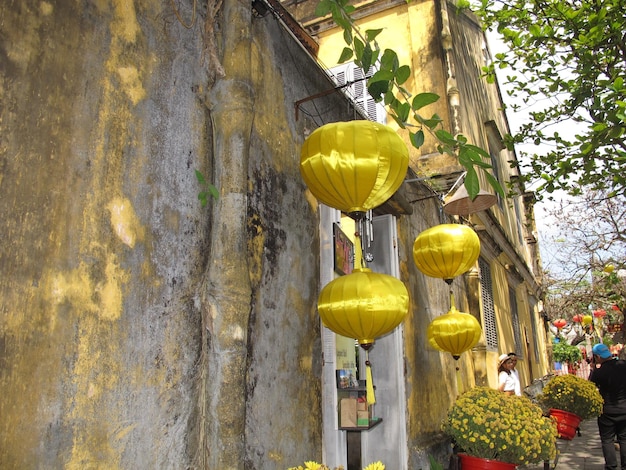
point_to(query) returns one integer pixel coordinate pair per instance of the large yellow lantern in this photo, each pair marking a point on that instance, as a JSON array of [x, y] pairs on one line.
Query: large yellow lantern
[[446, 250], [363, 305], [454, 332], [354, 166]]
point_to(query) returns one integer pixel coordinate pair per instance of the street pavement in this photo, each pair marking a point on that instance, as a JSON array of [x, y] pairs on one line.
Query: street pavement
[[584, 452]]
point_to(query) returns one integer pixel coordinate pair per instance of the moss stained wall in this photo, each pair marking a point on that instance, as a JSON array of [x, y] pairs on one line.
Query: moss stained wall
[[102, 239], [283, 423], [103, 120]]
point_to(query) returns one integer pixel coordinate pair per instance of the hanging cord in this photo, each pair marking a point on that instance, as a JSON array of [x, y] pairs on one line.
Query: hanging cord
[[180, 19], [358, 248], [369, 381], [459, 382]]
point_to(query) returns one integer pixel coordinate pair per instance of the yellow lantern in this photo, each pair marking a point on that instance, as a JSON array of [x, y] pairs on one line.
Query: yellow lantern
[[454, 332], [363, 305], [354, 166], [587, 320], [446, 250]]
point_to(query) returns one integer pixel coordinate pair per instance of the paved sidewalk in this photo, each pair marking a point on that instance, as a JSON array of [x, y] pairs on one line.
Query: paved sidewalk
[[584, 452]]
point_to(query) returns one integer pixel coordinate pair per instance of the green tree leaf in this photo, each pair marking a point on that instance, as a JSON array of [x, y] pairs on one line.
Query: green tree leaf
[[423, 99], [371, 34], [568, 58], [402, 74], [346, 55], [417, 138]]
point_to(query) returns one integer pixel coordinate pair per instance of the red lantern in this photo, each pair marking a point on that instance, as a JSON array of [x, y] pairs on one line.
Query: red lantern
[[616, 308], [599, 313], [560, 323], [578, 318]]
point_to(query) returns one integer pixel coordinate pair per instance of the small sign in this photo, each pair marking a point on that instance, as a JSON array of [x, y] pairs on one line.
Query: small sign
[[344, 251]]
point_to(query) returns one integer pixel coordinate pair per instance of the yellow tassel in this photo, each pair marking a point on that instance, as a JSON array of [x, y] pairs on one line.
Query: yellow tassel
[[369, 384]]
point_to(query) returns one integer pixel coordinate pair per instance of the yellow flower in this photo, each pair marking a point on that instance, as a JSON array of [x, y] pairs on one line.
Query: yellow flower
[[572, 394], [375, 466], [311, 465], [488, 424]]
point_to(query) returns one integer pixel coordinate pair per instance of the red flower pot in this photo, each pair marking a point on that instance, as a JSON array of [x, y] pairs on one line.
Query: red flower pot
[[475, 463], [566, 423]]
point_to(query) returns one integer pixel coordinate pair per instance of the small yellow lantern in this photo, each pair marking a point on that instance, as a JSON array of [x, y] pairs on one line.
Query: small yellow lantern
[[454, 332], [446, 250], [354, 166], [587, 320]]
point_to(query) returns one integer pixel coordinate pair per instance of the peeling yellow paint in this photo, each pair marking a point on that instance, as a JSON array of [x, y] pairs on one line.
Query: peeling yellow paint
[[96, 372], [313, 202], [306, 363], [111, 296], [78, 288], [75, 287], [46, 8], [270, 114], [236, 332], [21, 52], [122, 433], [255, 248], [125, 222], [275, 456], [129, 76], [125, 24]]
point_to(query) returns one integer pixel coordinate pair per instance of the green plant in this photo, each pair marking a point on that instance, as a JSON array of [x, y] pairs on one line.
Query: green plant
[[563, 352], [434, 465], [572, 394], [486, 423], [565, 62], [210, 189]]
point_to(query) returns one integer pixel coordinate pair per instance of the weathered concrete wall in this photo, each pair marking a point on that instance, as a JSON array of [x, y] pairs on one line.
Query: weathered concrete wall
[[105, 247], [283, 426], [101, 235]]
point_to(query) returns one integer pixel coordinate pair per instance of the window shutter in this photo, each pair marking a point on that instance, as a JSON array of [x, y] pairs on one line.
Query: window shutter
[[517, 332], [489, 313], [357, 91]]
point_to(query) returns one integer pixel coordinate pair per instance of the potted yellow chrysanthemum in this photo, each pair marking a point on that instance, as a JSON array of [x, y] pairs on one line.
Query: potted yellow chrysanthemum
[[570, 399], [503, 431]]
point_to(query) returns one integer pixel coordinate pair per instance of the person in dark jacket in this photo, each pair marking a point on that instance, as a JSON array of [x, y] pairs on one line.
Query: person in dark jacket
[[609, 375]]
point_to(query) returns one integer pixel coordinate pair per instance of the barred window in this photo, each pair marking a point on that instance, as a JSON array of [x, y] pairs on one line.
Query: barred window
[[533, 325], [489, 313], [517, 333]]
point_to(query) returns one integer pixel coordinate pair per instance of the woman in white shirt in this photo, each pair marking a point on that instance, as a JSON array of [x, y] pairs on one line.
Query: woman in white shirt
[[515, 374], [506, 380]]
